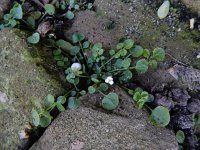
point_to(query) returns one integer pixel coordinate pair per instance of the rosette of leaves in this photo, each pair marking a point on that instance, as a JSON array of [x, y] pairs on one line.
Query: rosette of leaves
[[11, 19], [141, 97], [41, 112]]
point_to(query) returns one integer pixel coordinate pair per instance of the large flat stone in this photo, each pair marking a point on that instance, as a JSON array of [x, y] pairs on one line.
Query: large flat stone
[[23, 79], [91, 128]]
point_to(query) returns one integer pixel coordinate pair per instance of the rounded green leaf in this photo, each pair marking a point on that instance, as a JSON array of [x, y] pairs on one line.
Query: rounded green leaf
[[146, 53], [36, 117], [153, 64], [16, 11], [128, 43], [49, 100], [180, 136], [137, 51], [91, 90], [73, 103], [69, 15], [160, 116], [49, 9], [159, 54], [75, 50], [103, 87], [61, 99], [120, 45], [45, 121], [34, 38], [86, 44], [110, 101], [77, 37], [141, 66], [126, 76], [83, 92], [64, 45], [60, 107]]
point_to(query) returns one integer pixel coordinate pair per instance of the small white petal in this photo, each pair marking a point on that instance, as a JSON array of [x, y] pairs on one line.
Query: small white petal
[[107, 81], [76, 67], [111, 82]]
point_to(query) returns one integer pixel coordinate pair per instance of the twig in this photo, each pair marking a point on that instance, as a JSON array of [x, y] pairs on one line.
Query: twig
[[176, 60], [39, 3]]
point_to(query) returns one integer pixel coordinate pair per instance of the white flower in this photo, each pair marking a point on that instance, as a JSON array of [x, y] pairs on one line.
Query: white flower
[[76, 67], [198, 56], [109, 80]]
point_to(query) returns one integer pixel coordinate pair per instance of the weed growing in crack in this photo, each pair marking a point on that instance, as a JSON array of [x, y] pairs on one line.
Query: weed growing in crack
[[89, 68]]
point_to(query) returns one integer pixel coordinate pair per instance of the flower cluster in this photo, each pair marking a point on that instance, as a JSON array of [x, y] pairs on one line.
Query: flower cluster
[[109, 80]]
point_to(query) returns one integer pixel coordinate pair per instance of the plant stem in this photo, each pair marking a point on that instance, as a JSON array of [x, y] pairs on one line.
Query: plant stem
[[51, 107], [108, 61], [101, 93], [130, 68], [82, 53]]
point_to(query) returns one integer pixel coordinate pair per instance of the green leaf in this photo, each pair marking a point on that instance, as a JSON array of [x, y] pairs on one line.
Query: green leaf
[[34, 38], [141, 66], [120, 46], [61, 99], [75, 50], [153, 64], [49, 9], [103, 87], [73, 103], [64, 45], [86, 44], [77, 37], [160, 116], [60, 107], [36, 14], [112, 52], [45, 121], [126, 63], [83, 92], [57, 52], [126, 75], [137, 51], [36, 117], [16, 11], [137, 96], [146, 53], [110, 101], [128, 43], [95, 80], [49, 100], [91, 90], [31, 21], [159, 54], [69, 15], [60, 63], [77, 7], [180, 136]]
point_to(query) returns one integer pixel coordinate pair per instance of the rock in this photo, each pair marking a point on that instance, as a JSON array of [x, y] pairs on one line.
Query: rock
[[23, 79], [194, 106], [180, 97], [193, 5], [95, 28], [181, 121], [189, 76], [4, 5], [86, 128], [161, 100]]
